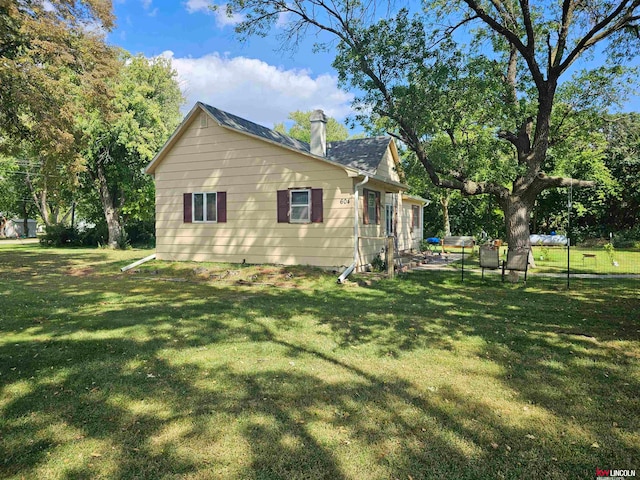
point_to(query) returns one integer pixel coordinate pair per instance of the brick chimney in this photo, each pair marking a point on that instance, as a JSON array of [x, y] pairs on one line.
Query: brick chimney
[[319, 133]]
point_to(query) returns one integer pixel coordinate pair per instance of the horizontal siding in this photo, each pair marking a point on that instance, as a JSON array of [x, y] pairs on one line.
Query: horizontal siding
[[247, 176], [387, 167], [271, 242], [168, 225], [251, 172], [203, 162], [239, 193], [335, 262]]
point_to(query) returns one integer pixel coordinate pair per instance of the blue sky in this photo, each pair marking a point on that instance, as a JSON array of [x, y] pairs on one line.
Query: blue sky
[[249, 79], [252, 79]]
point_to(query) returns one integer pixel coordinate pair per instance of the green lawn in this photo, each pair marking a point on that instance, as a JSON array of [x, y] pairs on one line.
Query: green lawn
[[206, 371], [583, 260]]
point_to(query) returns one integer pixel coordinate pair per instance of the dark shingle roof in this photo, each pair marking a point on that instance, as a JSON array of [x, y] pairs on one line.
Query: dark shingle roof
[[242, 125], [362, 154]]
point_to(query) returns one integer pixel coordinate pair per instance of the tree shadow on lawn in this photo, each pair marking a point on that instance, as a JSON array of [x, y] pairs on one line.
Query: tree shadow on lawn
[[107, 380]]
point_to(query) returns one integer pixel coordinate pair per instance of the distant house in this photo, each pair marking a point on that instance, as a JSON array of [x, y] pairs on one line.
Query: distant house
[[230, 190], [15, 228]]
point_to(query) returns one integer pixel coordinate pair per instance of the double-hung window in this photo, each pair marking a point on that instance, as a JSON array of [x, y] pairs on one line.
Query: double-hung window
[[371, 213], [205, 207], [300, 206]]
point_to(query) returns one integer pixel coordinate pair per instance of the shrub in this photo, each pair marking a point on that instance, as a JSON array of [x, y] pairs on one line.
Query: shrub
[[60, 236], [142, 233], [378, 264]]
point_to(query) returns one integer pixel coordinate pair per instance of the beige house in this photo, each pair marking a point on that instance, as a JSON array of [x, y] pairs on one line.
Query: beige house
[[229, 190]]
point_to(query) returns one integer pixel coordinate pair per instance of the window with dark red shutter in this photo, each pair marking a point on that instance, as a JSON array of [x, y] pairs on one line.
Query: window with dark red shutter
[[316, 205], [187, 214], [222, 207], [283, 206]]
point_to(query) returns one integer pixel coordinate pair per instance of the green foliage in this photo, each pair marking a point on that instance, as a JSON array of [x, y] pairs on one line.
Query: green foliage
[[378, 264], [52, 68], [142, 233], [122, 241], [142, 114], [610, 249], [301, 128], [627, 238], [60, 236]]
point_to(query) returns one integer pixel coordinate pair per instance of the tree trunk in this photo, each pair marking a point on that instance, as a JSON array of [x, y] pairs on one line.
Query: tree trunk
[[111, 213], [444, 201], [517, 219]]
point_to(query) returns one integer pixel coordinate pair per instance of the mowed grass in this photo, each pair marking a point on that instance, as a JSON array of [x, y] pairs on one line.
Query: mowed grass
[[203, 371], [582, 260]]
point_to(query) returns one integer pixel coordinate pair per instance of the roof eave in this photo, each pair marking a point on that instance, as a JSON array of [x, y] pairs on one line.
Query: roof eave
[[397, 185], [350, 171], [424, 201]]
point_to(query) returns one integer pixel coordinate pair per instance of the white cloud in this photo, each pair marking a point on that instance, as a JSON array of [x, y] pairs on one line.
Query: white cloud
[[194, 6], [224, 20], [218, 10], [146, 4], [255, 90]]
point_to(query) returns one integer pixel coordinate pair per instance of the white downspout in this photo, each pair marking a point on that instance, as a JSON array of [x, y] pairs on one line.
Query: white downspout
[[356, 197]]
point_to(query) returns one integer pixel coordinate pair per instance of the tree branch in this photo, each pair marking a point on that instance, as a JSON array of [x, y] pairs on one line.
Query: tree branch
[[527, 52], [599, 32], [544, 182], [526, 17]]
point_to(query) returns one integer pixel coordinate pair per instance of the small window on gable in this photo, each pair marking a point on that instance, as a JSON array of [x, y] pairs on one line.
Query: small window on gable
[[300, 205], [203, 120], [205, 207]]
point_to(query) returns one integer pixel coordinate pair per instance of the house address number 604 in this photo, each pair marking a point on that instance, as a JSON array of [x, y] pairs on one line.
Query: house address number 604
[[345, 201]]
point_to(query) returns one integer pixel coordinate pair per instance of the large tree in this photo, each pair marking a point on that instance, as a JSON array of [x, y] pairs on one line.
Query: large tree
[[419, 79], [53, 65], [53, 60], [143, 112]]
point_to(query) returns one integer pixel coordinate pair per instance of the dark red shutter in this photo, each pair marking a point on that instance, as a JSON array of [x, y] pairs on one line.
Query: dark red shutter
[[283, 206], [221, 204], [365, 210], [377, 208], [187, 214], [316, 205]]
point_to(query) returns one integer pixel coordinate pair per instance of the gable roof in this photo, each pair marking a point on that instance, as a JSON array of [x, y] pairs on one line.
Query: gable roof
[[245, 126], [361, 155]]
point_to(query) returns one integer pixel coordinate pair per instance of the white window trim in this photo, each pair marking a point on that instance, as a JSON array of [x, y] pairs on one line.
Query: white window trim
[[388, 219], [204, 207], [291, 192]]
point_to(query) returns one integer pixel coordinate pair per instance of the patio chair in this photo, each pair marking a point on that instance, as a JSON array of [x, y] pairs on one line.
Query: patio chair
[[489, 258], [517, 260]]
